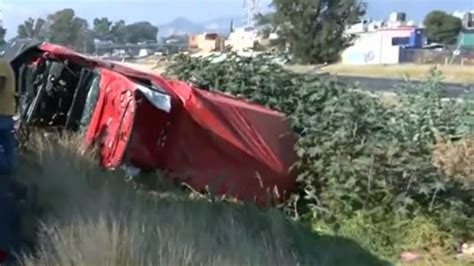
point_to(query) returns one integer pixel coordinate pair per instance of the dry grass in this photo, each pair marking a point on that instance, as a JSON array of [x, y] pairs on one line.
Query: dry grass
[[93, 217], [456, 160], [153, 64], [438, 262], [147, 66], [452, 73]]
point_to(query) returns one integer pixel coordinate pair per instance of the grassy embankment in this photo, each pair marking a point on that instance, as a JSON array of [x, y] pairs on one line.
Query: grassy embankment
[[93, 217]]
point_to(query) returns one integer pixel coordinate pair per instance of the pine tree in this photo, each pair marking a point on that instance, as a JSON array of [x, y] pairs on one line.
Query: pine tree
[[231, 26]]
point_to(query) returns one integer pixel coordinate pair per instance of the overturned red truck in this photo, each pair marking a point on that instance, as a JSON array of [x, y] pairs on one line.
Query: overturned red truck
[[205, 139]]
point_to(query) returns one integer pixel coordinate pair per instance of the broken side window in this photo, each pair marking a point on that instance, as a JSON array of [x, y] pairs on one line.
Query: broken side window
[[91, 100], [159, 99], [53, 93]]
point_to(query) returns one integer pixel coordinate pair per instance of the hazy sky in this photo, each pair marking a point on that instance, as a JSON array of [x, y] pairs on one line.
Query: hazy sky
[[162, 11]]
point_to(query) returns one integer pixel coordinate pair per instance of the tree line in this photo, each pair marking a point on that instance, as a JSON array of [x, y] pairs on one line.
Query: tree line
[[66, 28], [311, 31]]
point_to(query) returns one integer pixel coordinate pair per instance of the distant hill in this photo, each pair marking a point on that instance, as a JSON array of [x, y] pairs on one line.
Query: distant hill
[[179, 26], [182, 26]]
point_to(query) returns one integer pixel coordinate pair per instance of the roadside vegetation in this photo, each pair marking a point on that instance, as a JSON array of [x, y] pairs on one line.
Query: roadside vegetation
[[385, 176], [378, 173]]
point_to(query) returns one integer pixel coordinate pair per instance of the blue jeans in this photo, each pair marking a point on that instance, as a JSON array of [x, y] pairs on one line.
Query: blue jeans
[[7, 146], [8, 212]]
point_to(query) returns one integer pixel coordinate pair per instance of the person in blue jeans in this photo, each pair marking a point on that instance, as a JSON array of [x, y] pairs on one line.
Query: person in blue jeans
[[8, 211], [7, 146], [7, 111]]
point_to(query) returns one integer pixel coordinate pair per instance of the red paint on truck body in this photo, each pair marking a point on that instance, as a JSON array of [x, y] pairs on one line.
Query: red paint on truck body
[[208, 139]]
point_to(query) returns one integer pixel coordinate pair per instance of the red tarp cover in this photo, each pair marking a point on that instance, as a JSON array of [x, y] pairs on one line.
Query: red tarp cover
[[207, 139]]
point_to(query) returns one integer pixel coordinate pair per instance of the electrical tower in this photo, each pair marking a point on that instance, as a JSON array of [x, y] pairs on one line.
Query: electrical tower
[[252, 10]]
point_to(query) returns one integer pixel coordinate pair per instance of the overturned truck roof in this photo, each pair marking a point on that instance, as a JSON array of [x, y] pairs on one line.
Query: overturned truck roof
[[138, 118]]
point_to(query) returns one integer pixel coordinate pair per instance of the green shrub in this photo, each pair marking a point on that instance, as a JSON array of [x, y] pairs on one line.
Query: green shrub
[[363, 165]]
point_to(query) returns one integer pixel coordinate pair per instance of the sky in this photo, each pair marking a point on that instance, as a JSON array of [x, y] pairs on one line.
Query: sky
[[159, 12]]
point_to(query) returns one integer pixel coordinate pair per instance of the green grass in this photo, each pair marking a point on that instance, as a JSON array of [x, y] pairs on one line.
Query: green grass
[[83, 215]]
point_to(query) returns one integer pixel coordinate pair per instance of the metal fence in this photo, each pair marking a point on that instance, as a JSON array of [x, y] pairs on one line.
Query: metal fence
[[445, 56]]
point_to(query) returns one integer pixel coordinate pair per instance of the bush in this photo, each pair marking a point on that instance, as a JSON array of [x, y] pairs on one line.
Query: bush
[[363, 165]]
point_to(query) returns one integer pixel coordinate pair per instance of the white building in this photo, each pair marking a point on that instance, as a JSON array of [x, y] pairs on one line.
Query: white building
[[382, 42], [361, 27], [145, 52], [243, 39], [366, 25], [383, 46], [462, 14], [397, 19]]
